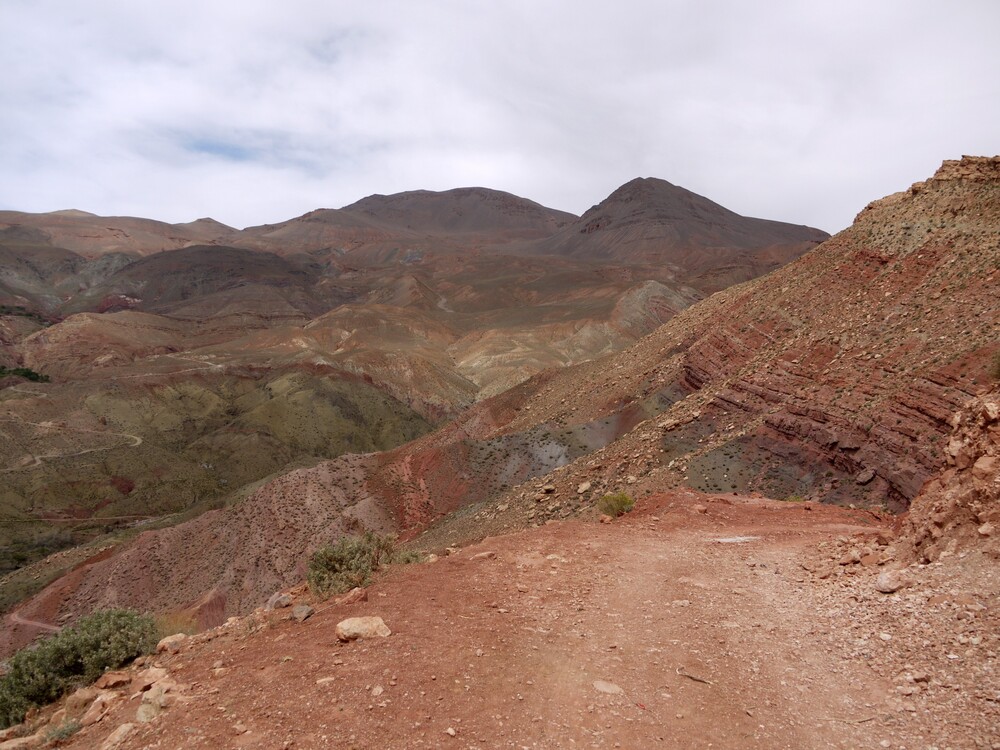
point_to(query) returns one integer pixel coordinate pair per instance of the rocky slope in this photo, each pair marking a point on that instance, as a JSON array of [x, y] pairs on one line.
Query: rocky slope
[[695, 620], [959, 510], [183, 357], [832, 379]]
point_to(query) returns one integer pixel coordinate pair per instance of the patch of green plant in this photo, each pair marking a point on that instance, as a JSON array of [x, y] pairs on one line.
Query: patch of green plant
[[994, 371], [64, 731], [795, 499], [40, 674], [615, 504], [25, 372], [349, 563], [22, 312]]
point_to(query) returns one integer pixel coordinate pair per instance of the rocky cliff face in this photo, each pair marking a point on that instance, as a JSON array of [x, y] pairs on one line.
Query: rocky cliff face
[[959, 510]]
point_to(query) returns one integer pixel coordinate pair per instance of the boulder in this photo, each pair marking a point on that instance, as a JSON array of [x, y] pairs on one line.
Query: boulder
[[302, 612], [279, 600], [79, 702], [110, 680], [890, 581], [171, 644], [146, 679], [865, 476], [117, 737], [23, 743], [154, 700], [362, 627], [99, 708]]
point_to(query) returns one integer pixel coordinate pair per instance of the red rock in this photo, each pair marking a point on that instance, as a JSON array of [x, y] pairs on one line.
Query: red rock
[[110, 680]]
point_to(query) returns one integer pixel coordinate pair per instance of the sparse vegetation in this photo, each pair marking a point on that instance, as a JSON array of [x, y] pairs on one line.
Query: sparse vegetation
[[40, 674], [64, 731], [350, 562], [175, 622], [995, 367], [22, 312], [615, 504], [24, 372]]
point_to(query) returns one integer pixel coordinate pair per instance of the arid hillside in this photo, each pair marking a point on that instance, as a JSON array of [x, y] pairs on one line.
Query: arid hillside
[[166, 369], [832, 379]]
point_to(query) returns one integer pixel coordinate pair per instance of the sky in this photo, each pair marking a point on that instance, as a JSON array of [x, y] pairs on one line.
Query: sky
[[255, 111]]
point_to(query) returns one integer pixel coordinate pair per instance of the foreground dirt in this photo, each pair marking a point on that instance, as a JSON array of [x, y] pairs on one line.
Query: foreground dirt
[[695, 621]]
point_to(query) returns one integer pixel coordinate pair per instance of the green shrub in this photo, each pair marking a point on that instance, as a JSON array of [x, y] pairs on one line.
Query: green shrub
[[25, 372], [615, 504], [995, 367], [349, 563], [64, 731], [76, 656]]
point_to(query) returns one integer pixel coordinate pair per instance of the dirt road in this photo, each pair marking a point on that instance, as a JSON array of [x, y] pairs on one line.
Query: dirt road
[[669, 628], [15, 619]]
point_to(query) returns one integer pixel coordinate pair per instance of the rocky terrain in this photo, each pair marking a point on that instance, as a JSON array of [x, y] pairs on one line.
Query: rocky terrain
[[832, 379], [695, 620], [861, 375], [184, 360]]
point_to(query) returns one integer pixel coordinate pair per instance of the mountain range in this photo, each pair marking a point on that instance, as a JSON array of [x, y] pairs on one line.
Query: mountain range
[[547, 350], [809, 419]]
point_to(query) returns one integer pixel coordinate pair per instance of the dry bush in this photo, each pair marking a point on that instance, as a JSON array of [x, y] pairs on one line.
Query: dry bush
[[349, 563], [615, 504]]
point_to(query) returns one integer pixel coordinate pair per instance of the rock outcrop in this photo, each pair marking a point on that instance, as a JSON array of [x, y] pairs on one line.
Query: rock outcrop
[[959, 510]]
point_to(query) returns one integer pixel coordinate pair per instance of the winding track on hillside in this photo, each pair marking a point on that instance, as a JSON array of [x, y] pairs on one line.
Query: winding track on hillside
[[37, 459], [15, 619]]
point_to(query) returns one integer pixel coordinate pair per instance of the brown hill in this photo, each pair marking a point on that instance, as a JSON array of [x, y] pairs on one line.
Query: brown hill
[[649, 221], [91, 236], [203, 281], [401, 227], [832, 378]]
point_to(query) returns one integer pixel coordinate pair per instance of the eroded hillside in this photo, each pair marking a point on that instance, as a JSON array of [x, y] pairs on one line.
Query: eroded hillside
[[831, 379]]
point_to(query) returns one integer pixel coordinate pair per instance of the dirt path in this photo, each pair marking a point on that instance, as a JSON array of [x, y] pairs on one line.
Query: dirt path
[[36, 459], [16, 619], [671, 628]]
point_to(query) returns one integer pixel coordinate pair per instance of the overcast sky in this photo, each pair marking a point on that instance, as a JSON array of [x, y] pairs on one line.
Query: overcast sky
[[254, 111]]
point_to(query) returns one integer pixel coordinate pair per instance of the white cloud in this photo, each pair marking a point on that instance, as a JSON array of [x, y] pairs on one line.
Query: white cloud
[[256, 111]]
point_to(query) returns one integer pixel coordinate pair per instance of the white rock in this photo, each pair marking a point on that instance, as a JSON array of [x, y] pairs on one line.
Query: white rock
[[889, 581], [362, 627], [602, 686]]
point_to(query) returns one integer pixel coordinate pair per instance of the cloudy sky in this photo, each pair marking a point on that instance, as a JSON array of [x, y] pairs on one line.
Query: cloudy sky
[[254, 111]]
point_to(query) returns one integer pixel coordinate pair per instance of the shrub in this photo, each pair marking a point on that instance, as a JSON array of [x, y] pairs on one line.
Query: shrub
[[995, 367], [64, 731], [349, 563], [76, 656], [175, 622], [25, 372], [615, 504]]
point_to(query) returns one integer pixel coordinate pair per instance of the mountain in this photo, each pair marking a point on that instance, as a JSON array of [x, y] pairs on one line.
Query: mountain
[[404, 225], [91, 236], [831, 379], [652, 221]]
